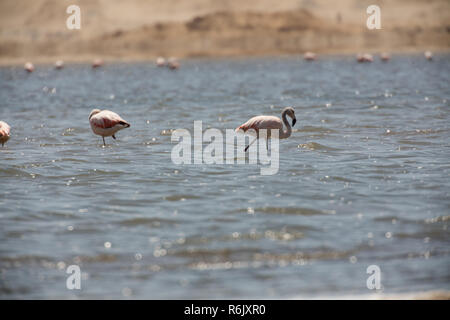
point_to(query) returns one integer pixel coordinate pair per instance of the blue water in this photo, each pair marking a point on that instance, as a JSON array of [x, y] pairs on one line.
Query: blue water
[[363, 180]]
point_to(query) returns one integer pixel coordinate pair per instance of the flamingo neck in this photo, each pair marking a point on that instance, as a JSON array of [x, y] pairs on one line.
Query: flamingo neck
[[285, 133]]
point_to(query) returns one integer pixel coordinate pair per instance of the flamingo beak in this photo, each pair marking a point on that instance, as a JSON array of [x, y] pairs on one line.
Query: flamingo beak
[[294, 121]]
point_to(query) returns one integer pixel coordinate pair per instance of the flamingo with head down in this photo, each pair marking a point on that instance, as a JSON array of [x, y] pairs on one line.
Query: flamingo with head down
[[270, 122], [106, 123]]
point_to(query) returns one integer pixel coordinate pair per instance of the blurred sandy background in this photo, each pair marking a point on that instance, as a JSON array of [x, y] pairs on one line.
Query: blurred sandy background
[[143, 29]]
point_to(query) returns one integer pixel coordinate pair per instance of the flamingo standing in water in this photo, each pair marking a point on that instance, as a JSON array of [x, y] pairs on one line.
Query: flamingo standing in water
[[173, 63], [28, 67], [106, 123], [4, 132], [385, 56], [366, 57], [268, 123], [310, 56], [97, 63], [428, 55], [59, 64], [160, 62]]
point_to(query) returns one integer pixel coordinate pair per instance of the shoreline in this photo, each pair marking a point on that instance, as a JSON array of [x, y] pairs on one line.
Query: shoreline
[[87, 59]]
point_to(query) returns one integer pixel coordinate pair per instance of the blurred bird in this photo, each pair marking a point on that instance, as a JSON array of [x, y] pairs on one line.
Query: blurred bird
[[160, 62], [59, 64], [173, 64], [309, 56], [366, 57], [28, 67], [97, 63], [385, 56]]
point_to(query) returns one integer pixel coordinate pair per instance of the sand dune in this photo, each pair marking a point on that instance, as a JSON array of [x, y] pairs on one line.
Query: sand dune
[[139, 29]]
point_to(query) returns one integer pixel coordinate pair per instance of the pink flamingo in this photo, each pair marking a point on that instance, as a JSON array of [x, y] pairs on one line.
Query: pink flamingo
[[310, 56], [106, 123], [268, 123], [428, 55], [366, 57], [4, 132], [59, 64], [173, 64], [28, 67], [385, 56], [97, 63], [160, 62]]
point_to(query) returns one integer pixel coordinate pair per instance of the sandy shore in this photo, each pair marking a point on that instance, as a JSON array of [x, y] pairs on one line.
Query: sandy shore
[[143, 30]]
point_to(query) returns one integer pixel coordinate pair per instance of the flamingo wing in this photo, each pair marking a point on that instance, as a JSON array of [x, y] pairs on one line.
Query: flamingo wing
[[4, 129], [107, 119]]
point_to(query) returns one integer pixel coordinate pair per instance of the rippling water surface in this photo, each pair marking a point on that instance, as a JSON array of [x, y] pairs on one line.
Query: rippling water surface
[[363, 180]]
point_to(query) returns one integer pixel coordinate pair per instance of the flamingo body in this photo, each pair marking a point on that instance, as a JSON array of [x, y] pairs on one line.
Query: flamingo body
[[97, 63], [173, 64], [4, 132], [385, 57], [28, 67], [59, 64], [160, 62], [261, 122], [106, 123], [364, 57], [309, 56]]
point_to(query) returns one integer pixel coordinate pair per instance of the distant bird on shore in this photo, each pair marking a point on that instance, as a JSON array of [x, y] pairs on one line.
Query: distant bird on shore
[[173, 64], [28, 67], [428, 55], [160, 62], [97, 63], [4, 132], [270, 122], [366, 57], [384, 56], [106, 123], [59, 64], [309, 56]]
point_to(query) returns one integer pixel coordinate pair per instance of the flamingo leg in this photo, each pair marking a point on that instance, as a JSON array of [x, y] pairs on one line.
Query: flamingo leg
[[104, 144], [114, 137], [246, 148], [267, 144]]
